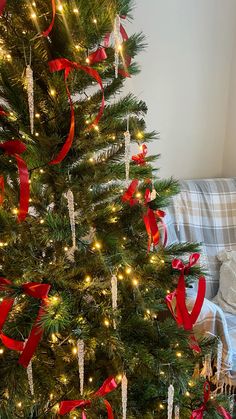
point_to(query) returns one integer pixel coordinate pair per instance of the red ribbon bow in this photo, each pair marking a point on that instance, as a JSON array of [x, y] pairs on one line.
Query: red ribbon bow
[[14, 148], [150, 218], [199, 413], [140, 158], [127, 58], [97, 56], [68, 406], [182, 315], [27, 349], [66, 65], [128, 195]]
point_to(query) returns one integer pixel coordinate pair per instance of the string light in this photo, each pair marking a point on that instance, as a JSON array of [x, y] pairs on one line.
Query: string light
[[187, 394], [78, 47], [90, 379], [161, 406], [138, 195], [88, 61], [91, 159], [8, 57], [41, 171], [19, 404], [33, 15], [139, 135], [74, 350], [95, 20], [15, 211], [75, 10], [106, 323], [119, 377], [36, 134], [179, 354], [96, 127], [87, 279], [120, 276], [60, 7], [51, 396], [113, 137], [97, 245], [41, 221], [128, 270], [135, 282], [37, 115], [1, 351], [52, 92], [66, 249]]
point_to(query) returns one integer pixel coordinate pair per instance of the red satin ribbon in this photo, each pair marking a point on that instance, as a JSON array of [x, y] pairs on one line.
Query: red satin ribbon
[[151, 224], [128, 195], [199, 413], [14, 148], [127, 58], [97, 56], [140, 158], [181, 313], [66, 65], [48, 30], [68, 406], [1, 189], [27, 349], [2, 6]]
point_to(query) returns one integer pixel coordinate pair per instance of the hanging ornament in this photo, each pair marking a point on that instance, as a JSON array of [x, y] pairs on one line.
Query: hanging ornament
[[114, 295], [127, 152], [171, 391], [118, 41], [30, 93], [80, 348], [219, 359], [30, 378], [124, 393], [176, 412], [71, 209], [207, 369]]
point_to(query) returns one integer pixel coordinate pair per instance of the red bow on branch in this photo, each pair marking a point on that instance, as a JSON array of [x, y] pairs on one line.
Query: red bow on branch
[[150, 217], [140, 158], [97, 56], [181, 314], [199, 413], [68, 406], [66, 65], [27, 349], [14, 148]]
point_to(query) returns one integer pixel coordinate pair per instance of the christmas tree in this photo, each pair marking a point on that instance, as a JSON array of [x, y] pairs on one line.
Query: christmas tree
[[85, 270]]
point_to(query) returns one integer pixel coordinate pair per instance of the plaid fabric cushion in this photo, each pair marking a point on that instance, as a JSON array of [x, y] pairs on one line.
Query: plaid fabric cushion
[[205, 212]]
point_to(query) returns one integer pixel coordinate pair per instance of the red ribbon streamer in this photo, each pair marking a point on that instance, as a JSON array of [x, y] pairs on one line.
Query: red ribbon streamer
[[27, 349], [181, 314], [1, 189], [2, 6], [199, 413], [14, 148], [66, 65], [47, 31], [97, 56], [68, 406], [140, 158]]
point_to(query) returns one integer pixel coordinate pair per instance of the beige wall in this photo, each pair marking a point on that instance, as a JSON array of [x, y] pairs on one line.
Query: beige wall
[[185, 80]]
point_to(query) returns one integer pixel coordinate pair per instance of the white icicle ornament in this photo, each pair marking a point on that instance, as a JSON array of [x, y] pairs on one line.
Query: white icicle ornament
[[30, 378], [114, 295], [118, 42], [124, 394], [80, 349], [171, 391], [30, 93], [70, 203]]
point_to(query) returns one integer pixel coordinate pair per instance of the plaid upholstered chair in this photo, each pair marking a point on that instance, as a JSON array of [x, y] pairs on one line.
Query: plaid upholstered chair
[[205, 212]]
